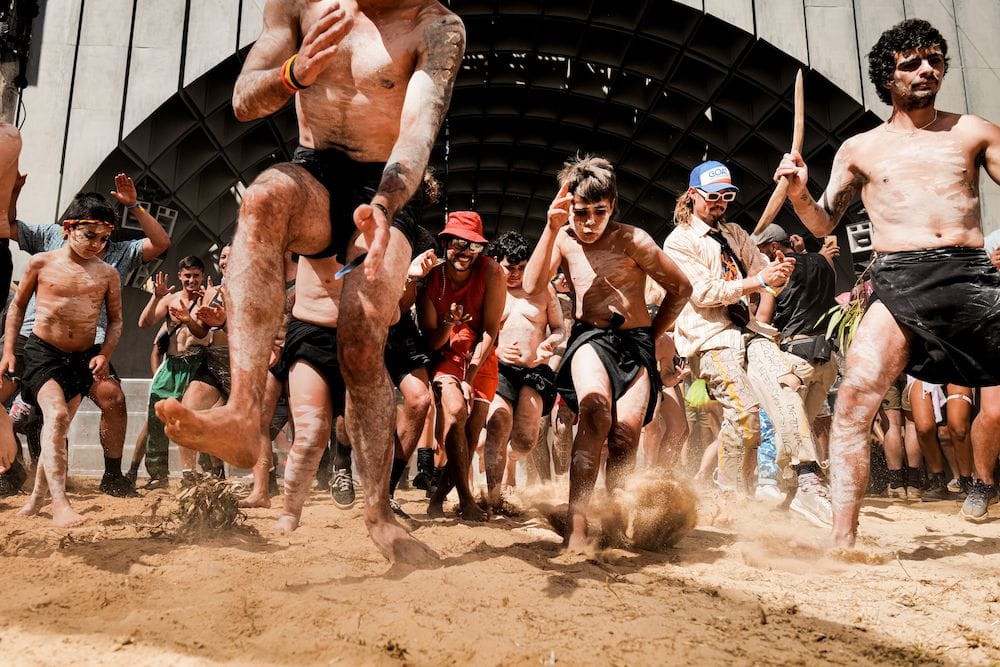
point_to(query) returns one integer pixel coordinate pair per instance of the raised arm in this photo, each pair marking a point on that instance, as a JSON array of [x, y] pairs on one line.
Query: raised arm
[[157, 240], [260, 89], [428, 95], [156, 307], [991, 151], [543, 262], [821, 217]]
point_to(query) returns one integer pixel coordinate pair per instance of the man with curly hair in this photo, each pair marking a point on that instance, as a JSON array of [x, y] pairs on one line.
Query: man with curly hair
[[936, 294]]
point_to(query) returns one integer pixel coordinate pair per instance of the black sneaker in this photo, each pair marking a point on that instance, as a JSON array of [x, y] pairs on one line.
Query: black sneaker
[[342, 489], [398, 511], [978, 502], [118, 485], [936, 489], [12, 480]]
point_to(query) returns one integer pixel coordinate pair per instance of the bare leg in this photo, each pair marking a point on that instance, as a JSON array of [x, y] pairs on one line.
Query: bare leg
[[562, 438], [417, 399], [363, 322], [593, 388], [452, 419], [623, 441], [260, 495], [57, 417], [986, 434], [498, 426], [312, 415], [676, 429], [540, 460], [139, 452], [38, 493], [876, 357], [960, 427], [284, 208], [926, 427], [109, 397]]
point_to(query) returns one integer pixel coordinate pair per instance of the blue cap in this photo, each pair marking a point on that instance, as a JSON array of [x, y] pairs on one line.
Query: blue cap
[[712, 176]]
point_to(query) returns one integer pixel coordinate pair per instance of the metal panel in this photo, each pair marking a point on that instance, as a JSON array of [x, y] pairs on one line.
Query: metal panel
[[940, 14], [737, 12], [833, 45], [783, 23], [156, 58], [251, 22], [95, 112], [873, 17], [211, 36]]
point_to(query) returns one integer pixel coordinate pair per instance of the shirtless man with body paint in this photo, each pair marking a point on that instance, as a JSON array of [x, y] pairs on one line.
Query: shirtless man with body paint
[[530, 329], [372, 80], [61, 360], [937, 315], [607, 263]]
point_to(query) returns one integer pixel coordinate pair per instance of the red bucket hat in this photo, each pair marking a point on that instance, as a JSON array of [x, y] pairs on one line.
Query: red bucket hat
[[465, 225]]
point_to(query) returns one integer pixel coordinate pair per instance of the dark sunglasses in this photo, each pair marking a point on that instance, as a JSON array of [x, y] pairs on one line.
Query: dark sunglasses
[[462, 245]]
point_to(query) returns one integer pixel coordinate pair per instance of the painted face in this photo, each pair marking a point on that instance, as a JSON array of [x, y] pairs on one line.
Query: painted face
[[461, 254], [191, 278], [514, 272], [711, 211], [917, 77], [88, 240], [590, 219], [224, 260]]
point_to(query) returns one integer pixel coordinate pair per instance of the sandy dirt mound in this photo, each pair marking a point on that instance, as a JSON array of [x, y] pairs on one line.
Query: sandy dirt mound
[[745, 586]]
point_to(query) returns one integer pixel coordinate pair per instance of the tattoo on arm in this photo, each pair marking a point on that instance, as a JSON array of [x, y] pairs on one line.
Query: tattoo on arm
[[842, 200]]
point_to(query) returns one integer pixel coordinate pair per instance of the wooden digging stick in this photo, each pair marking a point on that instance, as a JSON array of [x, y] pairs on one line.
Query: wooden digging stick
[[777, 199]]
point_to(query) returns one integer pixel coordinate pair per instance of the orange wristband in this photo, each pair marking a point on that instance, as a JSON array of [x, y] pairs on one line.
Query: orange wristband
[[286, 76]]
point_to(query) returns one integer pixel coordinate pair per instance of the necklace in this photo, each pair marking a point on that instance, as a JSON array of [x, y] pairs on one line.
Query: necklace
[[916, 129]]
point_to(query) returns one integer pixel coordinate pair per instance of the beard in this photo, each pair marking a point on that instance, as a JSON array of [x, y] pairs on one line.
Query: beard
[[910, 100]]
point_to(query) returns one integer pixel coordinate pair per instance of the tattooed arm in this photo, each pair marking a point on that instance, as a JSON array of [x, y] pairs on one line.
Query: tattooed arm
[[821, 217]]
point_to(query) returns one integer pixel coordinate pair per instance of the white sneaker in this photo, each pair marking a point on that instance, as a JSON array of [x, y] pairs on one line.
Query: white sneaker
[[770, 495], [812, 501]]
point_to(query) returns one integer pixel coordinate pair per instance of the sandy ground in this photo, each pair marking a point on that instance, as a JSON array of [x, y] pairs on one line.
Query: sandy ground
[[923, 588]]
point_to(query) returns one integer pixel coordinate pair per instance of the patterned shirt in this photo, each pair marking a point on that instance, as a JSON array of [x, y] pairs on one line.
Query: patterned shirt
[[703, 323], [125, 256]]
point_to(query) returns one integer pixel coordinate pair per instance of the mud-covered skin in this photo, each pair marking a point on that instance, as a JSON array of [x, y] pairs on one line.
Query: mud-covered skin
[[918, 177]]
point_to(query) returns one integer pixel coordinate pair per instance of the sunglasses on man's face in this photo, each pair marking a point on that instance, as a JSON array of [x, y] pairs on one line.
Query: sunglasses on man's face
[[728, 195], [462, 245]]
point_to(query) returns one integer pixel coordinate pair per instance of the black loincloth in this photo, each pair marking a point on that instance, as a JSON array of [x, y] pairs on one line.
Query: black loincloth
[[949, 300], [349, 184], [624, 352], [316, 346], [541, 378], [214, 369], [44, 361]]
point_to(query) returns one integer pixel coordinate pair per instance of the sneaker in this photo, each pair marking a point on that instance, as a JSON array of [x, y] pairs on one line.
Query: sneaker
[[978, 502], [422, 481], [342, 489], [118, 485], [157, 483], [770, 495], [954, 485], [398, 511], [812, 501], [936, 489]]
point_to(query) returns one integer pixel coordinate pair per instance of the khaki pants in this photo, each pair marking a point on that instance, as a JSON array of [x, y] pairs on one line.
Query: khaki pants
[[816, 378], [744, 381]]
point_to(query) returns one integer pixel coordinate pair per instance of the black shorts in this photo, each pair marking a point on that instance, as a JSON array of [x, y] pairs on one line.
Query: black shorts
[[949, 300], [540, 378], [214, 369], [623, 352], [317, 346], [404, 349], [349, 184], [44, 362]]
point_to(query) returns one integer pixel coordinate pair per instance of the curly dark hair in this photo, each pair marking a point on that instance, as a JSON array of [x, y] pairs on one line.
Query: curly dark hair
[[904, 36], [510, 245]]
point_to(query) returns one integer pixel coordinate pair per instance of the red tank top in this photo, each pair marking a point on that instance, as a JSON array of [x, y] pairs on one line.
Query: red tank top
[[470, 295]]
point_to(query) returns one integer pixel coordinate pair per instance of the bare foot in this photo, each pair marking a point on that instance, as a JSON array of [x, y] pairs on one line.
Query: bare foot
[[285, 524], [505, 508], [223, 432], [65, 517], [471, 512], [31, 507], [576, 540], [398, 546], [256, 499]]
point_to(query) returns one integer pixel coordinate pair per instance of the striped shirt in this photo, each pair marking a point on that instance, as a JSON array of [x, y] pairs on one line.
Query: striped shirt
[[703, 323]]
